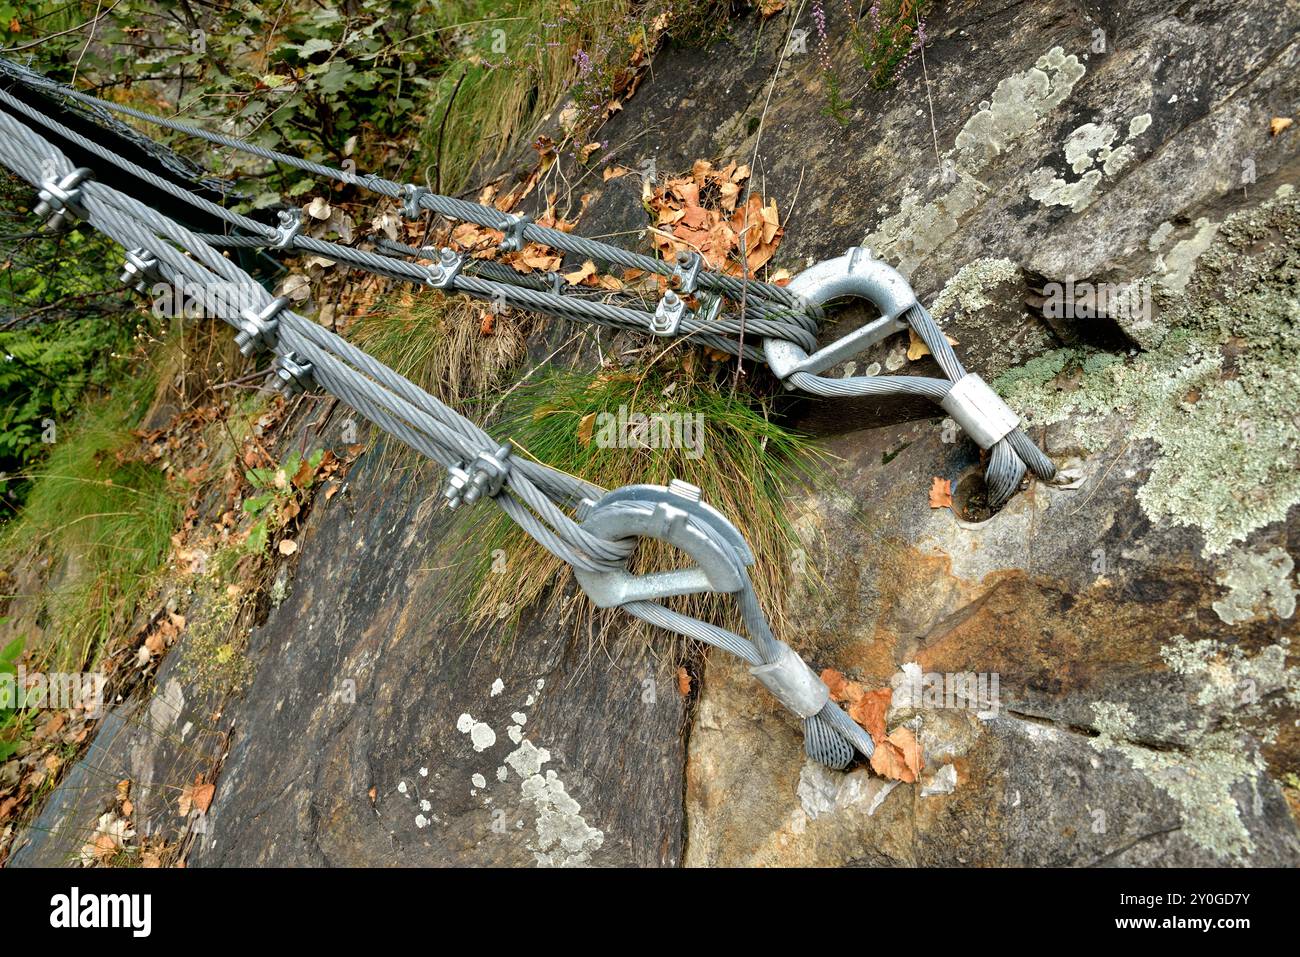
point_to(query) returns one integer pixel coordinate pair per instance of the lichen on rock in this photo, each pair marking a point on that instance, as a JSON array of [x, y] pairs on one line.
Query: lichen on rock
[[1217, 390]]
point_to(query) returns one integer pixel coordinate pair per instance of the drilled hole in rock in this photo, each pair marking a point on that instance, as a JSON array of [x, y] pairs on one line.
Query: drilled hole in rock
[[970, 499]]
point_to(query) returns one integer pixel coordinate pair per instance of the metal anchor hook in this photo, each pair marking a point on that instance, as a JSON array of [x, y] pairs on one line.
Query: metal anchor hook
[[855, 274], [672, 514]]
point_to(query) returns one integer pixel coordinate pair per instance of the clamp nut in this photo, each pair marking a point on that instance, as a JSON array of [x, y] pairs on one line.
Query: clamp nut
[[140, 267], [60, 200], [289, 228], [485, 476], [513, 228], [686, 273], [443, 273], [668, 315], [257, 327], [294, 376]]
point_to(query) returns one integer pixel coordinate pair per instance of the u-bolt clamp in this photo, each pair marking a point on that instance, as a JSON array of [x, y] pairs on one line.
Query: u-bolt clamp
[[292, 376], [140, 267], [668, 314], [290, 226], [485, 476], [672, 514], [257, 327], [686, 273], [513, 227], [443, 273], [60, 199], [857, 274], [411, 195]]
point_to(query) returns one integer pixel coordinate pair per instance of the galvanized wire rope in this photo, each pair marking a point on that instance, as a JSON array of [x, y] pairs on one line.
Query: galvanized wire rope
[[784, 317], [423, 423]]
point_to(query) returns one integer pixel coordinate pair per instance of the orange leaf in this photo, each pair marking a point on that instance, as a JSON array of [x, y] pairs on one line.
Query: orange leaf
[[870, 710], [683, 682], [941, 493]]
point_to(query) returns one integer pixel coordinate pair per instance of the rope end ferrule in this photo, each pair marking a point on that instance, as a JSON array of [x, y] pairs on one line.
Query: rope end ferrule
[[793, 683], [979, 410]]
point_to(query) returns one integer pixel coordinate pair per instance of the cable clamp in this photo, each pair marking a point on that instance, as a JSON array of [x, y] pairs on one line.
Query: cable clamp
[[668, 314], [443, 273], [686, 273], [486, 475], [257, 327], [294, 376], [60, 200], [140, 268], [411, 195], [289, 228], [793, 683], [513, 227], [979, 410]]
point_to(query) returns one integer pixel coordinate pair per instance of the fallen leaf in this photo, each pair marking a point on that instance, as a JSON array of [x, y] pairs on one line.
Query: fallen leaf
[[769, 8], [683, 681], [941, 493], [587, 150], [288, 546], [898, 757], [318, 209], [916, 347], [585, 428], [196, 796], [614, 172], [870, 710], [1278, 124], [578, 276]]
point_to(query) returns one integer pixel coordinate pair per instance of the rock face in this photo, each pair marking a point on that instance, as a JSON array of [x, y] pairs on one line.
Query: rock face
[[1128, 627]]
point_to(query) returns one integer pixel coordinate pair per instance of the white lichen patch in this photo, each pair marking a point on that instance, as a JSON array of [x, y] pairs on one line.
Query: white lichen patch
[[1091, 154], [563, 838], [967, 291], [1259, 585], [1018, 105], [481, 736], [498, 686], [1217, 389], [478, 780], [1234, 692]]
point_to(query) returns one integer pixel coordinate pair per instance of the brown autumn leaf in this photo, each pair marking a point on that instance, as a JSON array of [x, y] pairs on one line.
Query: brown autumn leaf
[[585, 428], [770, 8], [150, 860], [584, 153], [287, 546], [487, 322], [870, 710], [196, 796], [581, 274], [683, 681], [941, 493], [916, 347], [614, 172], [898, 757], [1279, 123]]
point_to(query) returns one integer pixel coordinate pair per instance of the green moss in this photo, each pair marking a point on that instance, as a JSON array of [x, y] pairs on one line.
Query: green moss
[[1217, 391]]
